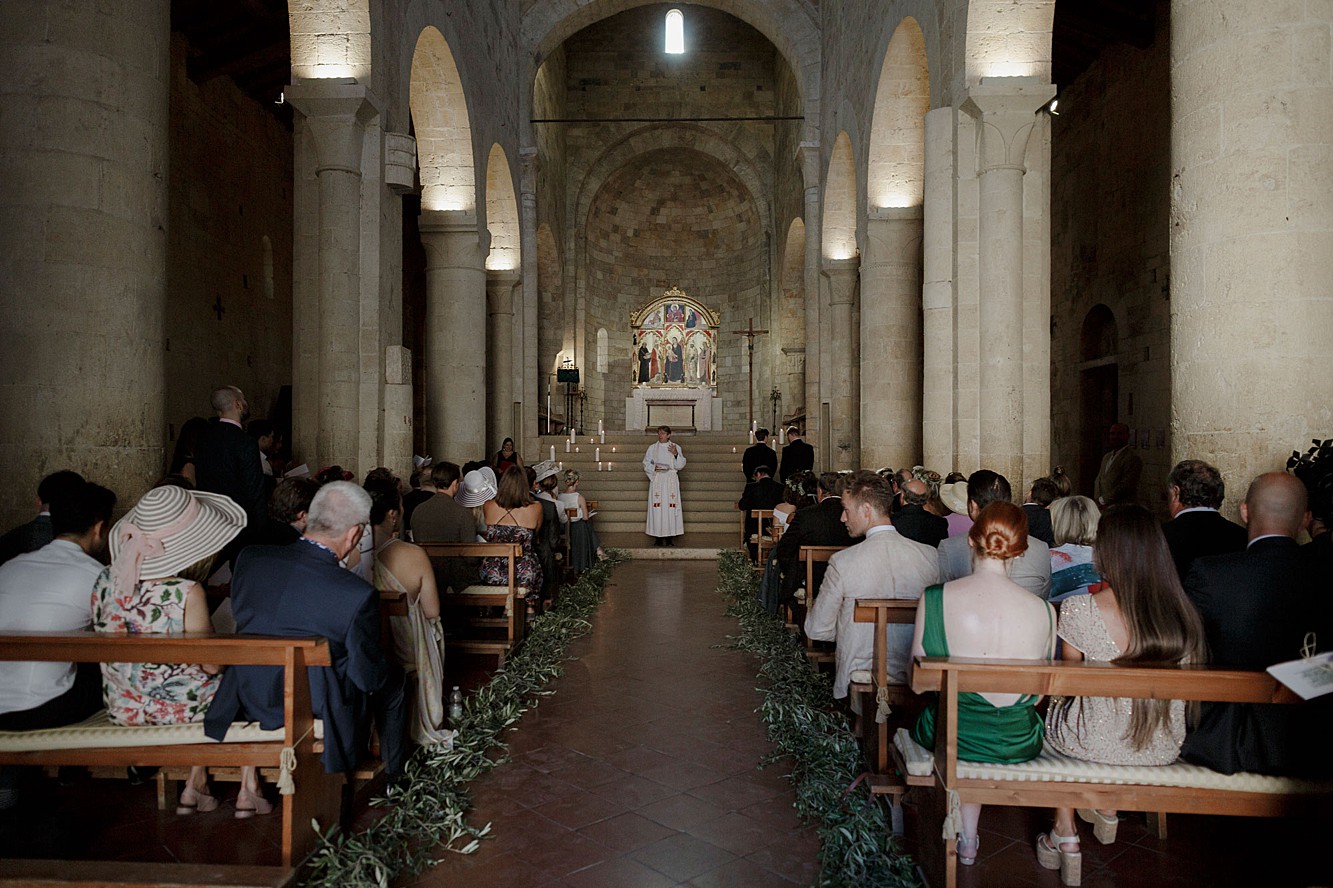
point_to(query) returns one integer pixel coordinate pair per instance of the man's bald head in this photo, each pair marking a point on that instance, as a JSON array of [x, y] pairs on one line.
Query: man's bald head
[[915, 493], [1275, 504]]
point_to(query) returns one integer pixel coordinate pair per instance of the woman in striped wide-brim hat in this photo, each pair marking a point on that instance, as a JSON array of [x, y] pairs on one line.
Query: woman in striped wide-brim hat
[[161, 552]]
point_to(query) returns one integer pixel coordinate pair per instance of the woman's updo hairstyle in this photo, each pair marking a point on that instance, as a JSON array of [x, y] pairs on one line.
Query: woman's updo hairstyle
[[1000, 531]]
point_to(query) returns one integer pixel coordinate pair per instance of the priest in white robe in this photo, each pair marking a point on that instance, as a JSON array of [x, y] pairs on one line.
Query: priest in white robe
[[661, 463]]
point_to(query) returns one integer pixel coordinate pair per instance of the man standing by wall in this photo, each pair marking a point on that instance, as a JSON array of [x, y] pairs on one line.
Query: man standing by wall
[[1118, 478], [226, 461]]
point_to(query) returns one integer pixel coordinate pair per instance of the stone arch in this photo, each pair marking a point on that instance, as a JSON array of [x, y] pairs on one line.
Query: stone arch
[[895, 172], [839, 223], [330, 38], [1100, 334], [440, 120], [501, 212], [677, 137], [1009, 39], [788, 24]]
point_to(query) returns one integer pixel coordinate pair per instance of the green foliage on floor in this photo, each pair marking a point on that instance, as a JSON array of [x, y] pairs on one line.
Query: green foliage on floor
[[856, 845], [424, 816]]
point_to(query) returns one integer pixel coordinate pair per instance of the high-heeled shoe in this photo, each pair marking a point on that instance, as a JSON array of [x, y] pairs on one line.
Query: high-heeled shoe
[[249, 804], [972, 844], [1104, 826], [1052, 856], [192, 800]]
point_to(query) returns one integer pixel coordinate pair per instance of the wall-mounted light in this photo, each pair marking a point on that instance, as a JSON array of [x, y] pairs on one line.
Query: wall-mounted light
[[1050, 107]]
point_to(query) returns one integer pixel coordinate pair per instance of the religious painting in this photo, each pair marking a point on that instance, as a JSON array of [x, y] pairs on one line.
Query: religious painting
[[674, 342]]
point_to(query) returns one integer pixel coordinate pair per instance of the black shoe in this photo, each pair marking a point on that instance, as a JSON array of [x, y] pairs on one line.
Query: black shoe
[[671, 542], [657, 542]]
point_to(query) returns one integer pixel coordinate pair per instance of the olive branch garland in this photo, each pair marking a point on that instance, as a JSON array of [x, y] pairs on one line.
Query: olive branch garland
[[424, 814], [857, 847]]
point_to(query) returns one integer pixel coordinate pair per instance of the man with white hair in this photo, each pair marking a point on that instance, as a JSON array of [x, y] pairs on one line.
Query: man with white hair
[[300, 590]]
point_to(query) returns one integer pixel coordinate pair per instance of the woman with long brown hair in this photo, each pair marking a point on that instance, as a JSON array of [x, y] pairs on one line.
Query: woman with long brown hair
[[1141, 616]]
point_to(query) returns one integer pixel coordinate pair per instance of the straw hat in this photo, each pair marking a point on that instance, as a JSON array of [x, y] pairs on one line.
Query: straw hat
[[169, 529], [955, 496], [545, 469], [478, 487]]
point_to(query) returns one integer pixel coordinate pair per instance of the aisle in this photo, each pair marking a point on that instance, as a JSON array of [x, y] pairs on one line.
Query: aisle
[[641, 770]]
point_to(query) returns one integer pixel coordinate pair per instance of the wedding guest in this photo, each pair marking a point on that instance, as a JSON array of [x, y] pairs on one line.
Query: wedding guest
[[1074, 522]]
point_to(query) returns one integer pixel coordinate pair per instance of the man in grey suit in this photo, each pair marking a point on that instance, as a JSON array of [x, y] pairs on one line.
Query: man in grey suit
[[1031, 570], [441, 519], [884, 565]]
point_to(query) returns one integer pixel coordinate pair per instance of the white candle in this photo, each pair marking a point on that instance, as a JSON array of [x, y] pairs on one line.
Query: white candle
[[733, 450], [599, 466], [566, 446], [602, 435], [613, 450], [600, 428], [552, 453], [782, 436], [751, 437], [754, 425], [592, 440], [578, 450], [571, 433], [597, 454], [561, 465], [608, 467]]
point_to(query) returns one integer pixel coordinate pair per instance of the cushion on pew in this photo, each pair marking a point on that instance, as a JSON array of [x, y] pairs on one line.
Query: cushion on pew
[[97, 732]]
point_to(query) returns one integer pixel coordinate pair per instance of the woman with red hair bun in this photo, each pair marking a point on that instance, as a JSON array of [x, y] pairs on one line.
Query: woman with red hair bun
[[986, 615]]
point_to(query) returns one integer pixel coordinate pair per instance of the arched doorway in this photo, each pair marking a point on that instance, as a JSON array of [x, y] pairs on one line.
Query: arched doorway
[[1099, 391]]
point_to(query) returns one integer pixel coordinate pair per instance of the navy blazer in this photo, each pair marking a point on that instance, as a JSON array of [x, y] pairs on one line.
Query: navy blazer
[[817, 525], [1257, 606], [1193, 535], [299, 590], [797, 456]]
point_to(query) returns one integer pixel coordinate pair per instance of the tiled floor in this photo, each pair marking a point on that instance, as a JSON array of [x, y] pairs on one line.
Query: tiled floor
[[641, 770]]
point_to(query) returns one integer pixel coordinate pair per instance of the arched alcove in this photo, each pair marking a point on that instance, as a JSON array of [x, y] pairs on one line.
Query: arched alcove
[[840, 202], [895, 174], [501, 212], [1100, 335], [440, 119]]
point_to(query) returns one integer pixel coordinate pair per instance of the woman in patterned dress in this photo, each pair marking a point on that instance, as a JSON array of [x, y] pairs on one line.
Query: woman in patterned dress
[[513, 516], [161, 552], [1140, 615]]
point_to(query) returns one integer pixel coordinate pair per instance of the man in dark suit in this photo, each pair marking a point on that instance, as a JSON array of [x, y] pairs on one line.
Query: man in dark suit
[[441, 519], [1041, 494], [817, 525], [1259, 607], [761, 493], [300, 590], [226, 461], [1194, 494], [913, 521], [36, 533], [759, 454], [797, 456]]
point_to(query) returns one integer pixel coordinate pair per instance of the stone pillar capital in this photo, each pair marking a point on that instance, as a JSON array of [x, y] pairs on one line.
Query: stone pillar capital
[[336, 112], [500, 283], [841, 274], [451, 239], [400, 162], [1005, 109]]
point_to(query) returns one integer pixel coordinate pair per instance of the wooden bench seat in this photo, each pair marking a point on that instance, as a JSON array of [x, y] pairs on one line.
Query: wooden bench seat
[[1056, 781], [482, 633], [881, 697], [314, 796], [810, 556]]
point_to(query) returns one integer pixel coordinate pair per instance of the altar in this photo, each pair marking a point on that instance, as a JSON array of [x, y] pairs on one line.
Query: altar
[[673, 368], [681, 408]]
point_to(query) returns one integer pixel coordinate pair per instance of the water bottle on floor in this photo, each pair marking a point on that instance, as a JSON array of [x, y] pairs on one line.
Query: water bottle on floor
[[455, 706]]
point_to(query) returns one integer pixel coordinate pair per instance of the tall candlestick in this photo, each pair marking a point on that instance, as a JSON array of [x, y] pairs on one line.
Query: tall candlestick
[[571, 433], [600, 427], [548, 408]]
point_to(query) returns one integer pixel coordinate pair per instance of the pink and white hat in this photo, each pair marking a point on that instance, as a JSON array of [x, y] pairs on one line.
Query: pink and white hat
[[169, 529]]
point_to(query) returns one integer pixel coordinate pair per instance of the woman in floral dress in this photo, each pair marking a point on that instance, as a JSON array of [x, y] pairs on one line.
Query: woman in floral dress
[[161, 551]]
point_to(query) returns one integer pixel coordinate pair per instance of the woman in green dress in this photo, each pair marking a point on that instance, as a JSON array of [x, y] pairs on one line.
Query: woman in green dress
[[985, 615]]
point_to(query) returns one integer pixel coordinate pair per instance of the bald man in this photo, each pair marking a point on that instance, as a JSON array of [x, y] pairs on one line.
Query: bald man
[[912, 518], [1259, 607]]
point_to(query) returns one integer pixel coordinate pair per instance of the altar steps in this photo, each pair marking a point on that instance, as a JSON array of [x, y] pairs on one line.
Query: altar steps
[[710, 484]]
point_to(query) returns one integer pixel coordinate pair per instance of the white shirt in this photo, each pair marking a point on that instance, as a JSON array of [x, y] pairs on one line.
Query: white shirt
[[49, 590]]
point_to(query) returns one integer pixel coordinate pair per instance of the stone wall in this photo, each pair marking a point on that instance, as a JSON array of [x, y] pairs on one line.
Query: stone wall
[[682, 219], [229, 248], [1110, 204]]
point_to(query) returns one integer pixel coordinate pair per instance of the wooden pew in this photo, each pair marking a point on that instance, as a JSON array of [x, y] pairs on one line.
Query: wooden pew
[[882, 612], [810, 556], [760, 515], [485, 635], [317, 795], [1045, 784], [768, 541]]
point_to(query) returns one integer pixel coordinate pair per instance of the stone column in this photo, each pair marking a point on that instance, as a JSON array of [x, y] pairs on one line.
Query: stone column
[[526, 371], [1005, 109], [1251, 235], [83, 196], [937, 299], [891, 339], [809, 157], [844, 415], [500, 284], [335, 115], [455, 335]]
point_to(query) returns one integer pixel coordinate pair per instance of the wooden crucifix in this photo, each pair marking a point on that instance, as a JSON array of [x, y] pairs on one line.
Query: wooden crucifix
[[750, 333]]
